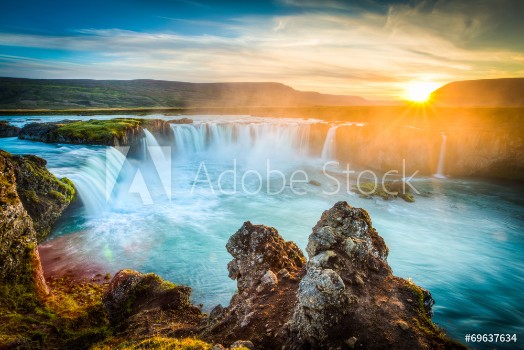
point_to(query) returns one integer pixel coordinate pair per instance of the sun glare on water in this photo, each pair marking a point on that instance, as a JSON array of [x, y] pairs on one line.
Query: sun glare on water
[[420, 91]]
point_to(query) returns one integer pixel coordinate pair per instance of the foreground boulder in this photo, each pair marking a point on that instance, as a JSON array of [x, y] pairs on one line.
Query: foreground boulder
[[113, 132], [345, 297], [267, 270], [143, 305]]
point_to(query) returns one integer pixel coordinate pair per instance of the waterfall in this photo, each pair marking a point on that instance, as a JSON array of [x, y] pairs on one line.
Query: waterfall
[[253, 140], [107, 182], [329, 148], [96, 179], [441, 158], [152, 146]]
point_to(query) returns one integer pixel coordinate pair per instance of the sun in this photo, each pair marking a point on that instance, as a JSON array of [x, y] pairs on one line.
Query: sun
[[420, 91]]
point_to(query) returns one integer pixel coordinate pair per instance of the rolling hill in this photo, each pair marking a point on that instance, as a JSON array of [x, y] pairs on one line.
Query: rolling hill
[[17, 93], [481, 93]]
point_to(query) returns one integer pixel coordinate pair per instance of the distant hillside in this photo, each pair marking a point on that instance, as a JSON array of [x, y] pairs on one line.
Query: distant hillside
[[18, 93], [481, 93]]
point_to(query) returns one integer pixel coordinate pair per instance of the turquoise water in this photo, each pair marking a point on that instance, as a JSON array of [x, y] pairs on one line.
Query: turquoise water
[[463, 241]]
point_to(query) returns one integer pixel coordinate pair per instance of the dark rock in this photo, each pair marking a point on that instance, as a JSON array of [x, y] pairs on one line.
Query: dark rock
[[216, 312], [349, 292], [145, 305], [240, 344], [181, 121], [267, 270], [44, 132], [314, 183], [387, 190], [8, 130], [257, 249], [345, 297]]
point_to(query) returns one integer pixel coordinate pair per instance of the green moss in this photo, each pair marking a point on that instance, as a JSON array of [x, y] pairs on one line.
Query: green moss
[[390, 190], [98, 131], [31, 195], [56, 195], [423, 322], [72, 317], [158, 343], [68, 188]]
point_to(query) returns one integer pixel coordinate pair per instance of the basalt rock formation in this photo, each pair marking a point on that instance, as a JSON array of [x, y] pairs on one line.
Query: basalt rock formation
[[267, 270], [31, 199], [113, 132], [344, 297], [8, 130]]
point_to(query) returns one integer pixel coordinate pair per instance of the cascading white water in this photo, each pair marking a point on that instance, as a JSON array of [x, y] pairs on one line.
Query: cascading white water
[[329, 149], [441, 158], [249, 143], [253, 140], [96, 179]]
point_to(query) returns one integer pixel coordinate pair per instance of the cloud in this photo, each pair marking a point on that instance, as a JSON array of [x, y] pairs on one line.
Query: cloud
[[373, 54]]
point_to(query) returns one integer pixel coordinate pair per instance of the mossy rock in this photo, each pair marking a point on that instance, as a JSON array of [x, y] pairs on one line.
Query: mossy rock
[[112, 132], [43, 196], [72, 317], [390, 190], [132, 294]]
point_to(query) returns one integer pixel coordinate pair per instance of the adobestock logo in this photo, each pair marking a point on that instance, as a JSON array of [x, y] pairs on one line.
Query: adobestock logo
[[155, 173]]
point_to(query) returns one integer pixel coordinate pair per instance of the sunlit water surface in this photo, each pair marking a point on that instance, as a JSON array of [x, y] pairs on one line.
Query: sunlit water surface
[[463, 241]]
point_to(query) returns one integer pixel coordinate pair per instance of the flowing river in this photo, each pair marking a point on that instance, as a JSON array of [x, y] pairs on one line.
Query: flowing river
[[171, 209]]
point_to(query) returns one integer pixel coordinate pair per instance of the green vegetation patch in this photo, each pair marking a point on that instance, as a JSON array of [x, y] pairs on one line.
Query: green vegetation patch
[[98, 131], [158, 343], [390, 190], [71, 317], [423, 321]]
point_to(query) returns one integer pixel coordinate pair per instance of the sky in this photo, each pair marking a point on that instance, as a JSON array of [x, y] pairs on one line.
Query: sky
[[369, 48]]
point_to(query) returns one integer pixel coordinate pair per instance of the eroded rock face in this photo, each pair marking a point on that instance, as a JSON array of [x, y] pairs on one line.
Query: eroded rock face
[[142, 305], [349, 298], [345, 297], [258, 251], [19, 260], [267, 270]]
